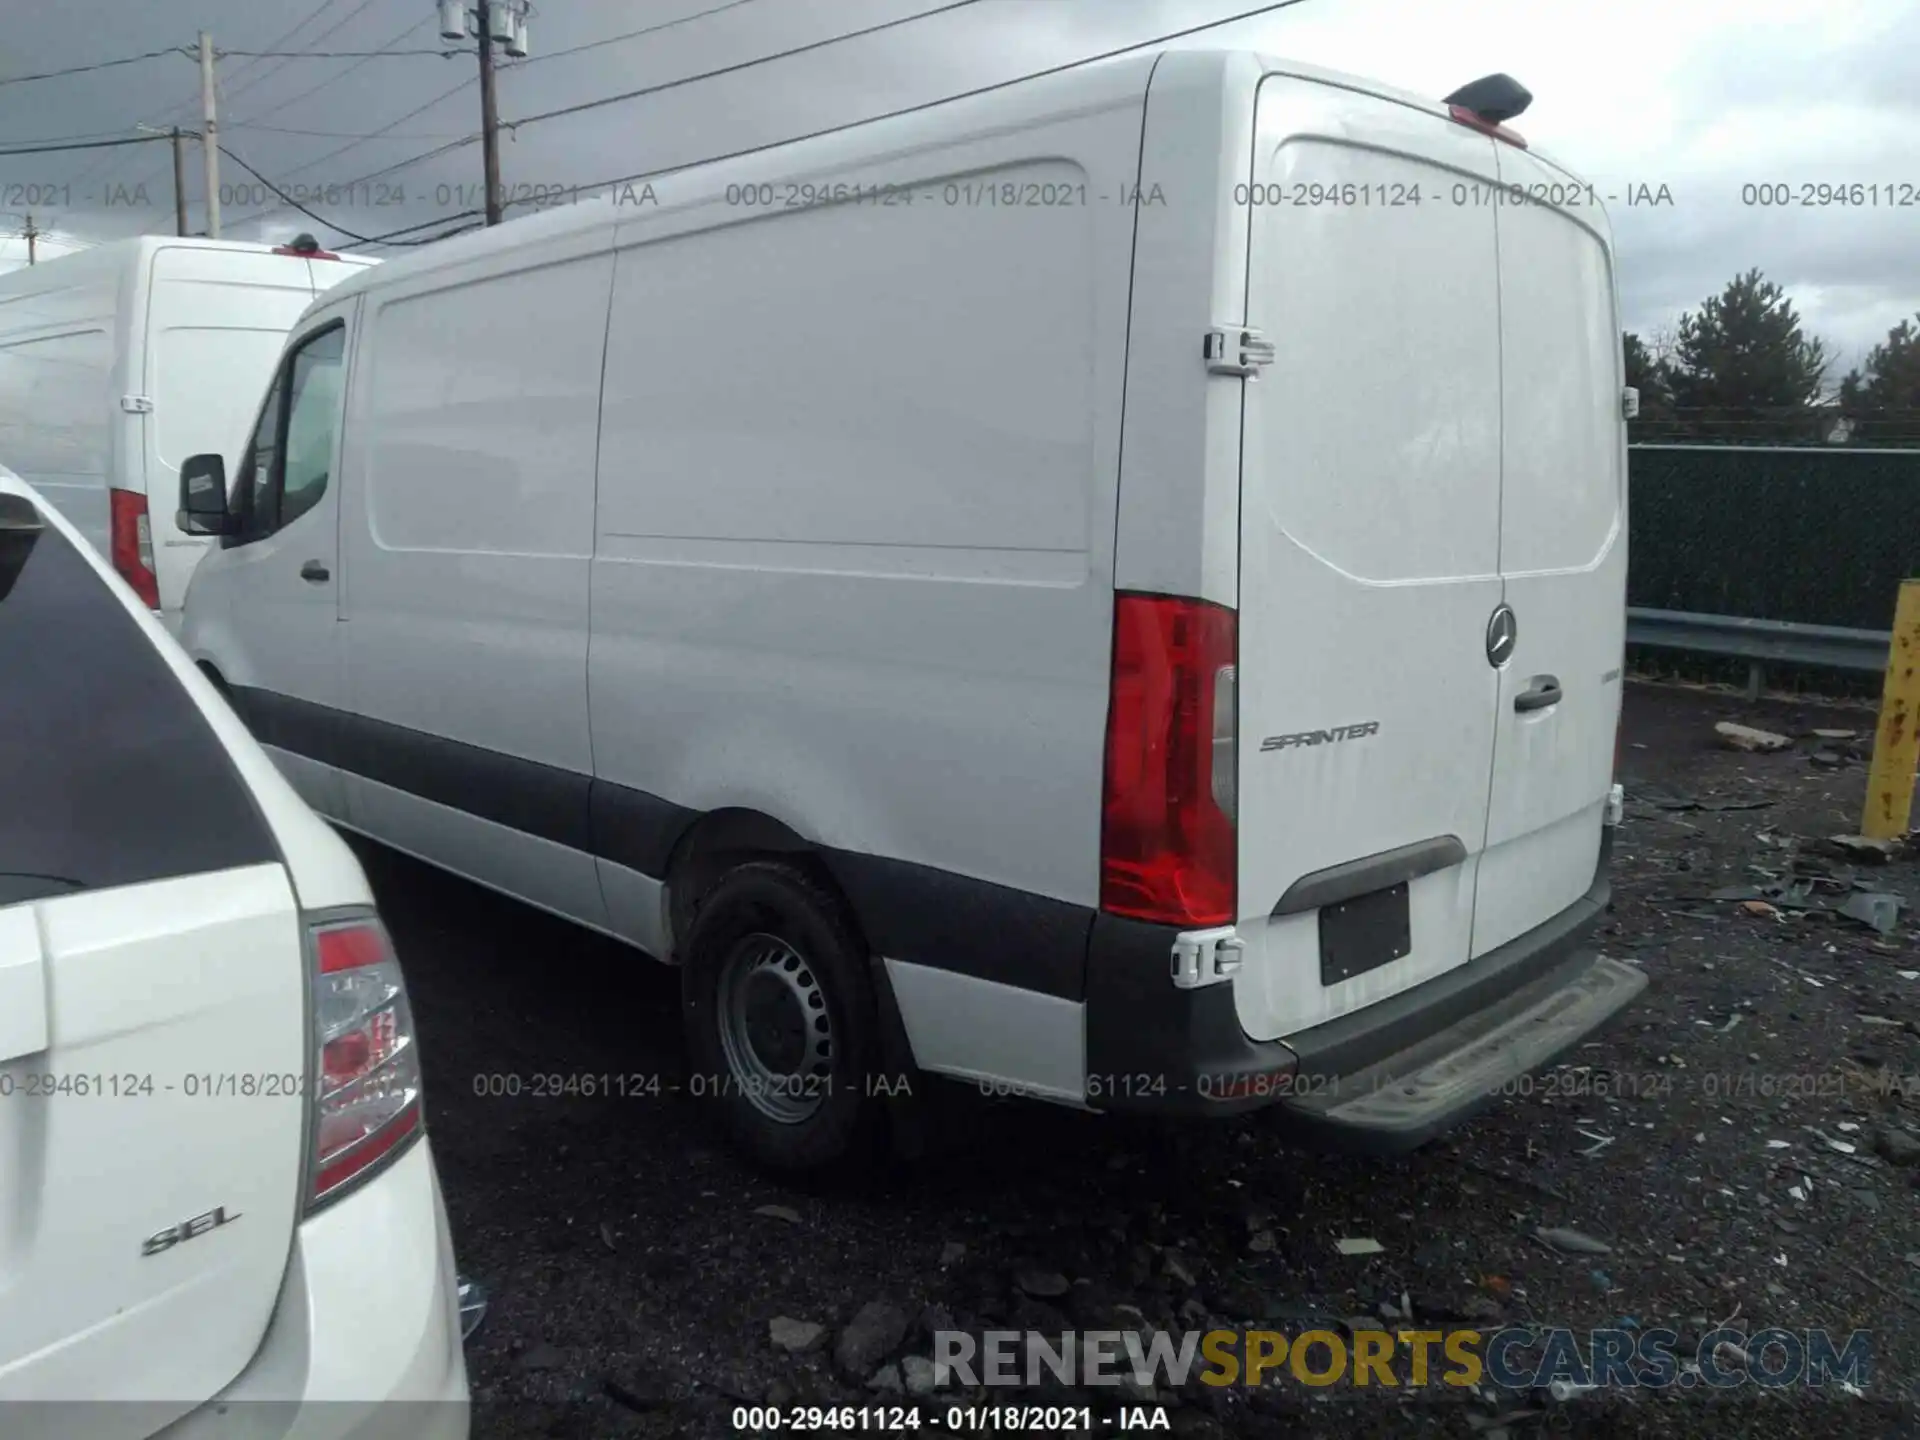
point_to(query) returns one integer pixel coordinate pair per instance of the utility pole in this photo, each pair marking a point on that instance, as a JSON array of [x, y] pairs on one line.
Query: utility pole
[[209, 136], [31, 236], [179, 184], [489, 119], [495, 21]]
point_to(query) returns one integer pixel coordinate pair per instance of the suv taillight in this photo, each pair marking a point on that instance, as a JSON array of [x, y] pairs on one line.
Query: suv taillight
[[366, 1092], [1168, 852], [132, 545]]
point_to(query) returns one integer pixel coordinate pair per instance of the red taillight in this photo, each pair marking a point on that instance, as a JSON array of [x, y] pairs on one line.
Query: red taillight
[[132, 545], [1486, 127], [1167, 846], [366, 1097]]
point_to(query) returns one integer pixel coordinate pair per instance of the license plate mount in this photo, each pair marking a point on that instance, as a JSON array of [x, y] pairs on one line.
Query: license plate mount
[[1364, 933]]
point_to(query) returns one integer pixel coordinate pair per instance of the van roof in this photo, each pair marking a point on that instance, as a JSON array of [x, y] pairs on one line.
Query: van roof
[[1079, 88], [111, 256]]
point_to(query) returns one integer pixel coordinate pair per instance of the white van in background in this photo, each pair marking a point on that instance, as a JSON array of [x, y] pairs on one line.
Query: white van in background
[[118, 362], [1112, 589]]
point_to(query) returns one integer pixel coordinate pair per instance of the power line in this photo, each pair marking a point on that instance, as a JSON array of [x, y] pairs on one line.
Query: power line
[[84, 145], [437, 150], [444, 234], [457, 141], [292, 100], [630, 35], [333, 54], [353, 145], [289, 199], [331, 79], [299, 25], [625, 95], [734, 69], [226, 95], [389, 237], [99, 65], [323, 134], [272, 70], [1257, 11], [74, 139]]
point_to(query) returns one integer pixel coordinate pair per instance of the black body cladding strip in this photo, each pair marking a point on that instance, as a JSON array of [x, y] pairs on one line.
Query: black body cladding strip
[[1355, 878], [1344, 1046], [1136, 1020], [1139, 1025], [909, 912]]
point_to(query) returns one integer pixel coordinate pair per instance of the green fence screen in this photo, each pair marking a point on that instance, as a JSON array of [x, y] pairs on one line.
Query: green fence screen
[[1821, 536]]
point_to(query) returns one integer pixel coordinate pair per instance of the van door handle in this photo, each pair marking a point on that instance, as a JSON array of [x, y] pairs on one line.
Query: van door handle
[[1546, 693], [316, 572]]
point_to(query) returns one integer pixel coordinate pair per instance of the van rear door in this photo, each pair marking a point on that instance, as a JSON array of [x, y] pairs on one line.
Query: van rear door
[[1369, 552], [152, 1022], [1563, 551], [216, 321]]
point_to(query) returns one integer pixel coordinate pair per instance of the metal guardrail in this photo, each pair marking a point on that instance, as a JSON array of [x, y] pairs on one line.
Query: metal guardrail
[[1745, 638], [1742, 637]]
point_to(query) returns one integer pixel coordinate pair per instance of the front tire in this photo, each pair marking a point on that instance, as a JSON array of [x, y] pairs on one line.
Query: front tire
[[781, 1023]]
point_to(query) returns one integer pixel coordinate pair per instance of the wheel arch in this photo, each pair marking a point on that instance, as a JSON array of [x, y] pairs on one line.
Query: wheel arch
[[722, 839]]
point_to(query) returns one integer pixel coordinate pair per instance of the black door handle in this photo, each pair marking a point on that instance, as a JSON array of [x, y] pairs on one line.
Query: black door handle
[[316, 572], [1546, 693]]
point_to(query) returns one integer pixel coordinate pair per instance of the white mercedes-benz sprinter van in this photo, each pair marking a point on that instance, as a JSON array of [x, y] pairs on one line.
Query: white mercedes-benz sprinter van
[[118, 362], [1112, 589]]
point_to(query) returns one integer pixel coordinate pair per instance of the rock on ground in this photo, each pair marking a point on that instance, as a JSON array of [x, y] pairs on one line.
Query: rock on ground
[[874, 1333]]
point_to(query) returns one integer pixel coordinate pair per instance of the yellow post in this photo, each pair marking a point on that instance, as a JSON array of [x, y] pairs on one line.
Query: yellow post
[[1896, 743]]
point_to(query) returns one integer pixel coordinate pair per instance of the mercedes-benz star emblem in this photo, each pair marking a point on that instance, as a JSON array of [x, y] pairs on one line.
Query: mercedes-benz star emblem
[[1502, 631]]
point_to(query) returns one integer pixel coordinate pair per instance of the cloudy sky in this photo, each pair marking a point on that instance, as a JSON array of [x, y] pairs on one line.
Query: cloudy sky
[[1703, 97]]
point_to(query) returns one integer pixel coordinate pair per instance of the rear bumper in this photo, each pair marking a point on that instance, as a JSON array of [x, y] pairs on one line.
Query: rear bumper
[[364, 1343], [1384, 1079]]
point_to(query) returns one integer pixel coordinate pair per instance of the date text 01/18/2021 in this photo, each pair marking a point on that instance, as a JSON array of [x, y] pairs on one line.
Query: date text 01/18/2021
[[957, 1419], [964, 194], [195, 1085], [645, 1085], [1145, 1084]]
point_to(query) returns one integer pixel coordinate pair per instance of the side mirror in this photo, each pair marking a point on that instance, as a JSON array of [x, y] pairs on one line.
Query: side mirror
[[20, 527], [203, 496]]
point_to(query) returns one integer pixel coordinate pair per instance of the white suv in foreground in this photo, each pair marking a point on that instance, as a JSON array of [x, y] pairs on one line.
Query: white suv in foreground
[[219, 1214]]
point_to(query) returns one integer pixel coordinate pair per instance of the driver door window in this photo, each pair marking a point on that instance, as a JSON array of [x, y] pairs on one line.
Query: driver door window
[[285, 469]]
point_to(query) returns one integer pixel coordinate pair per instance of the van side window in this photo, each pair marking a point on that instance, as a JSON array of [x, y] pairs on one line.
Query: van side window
[[285, 468], [313, 418], [252, 497]]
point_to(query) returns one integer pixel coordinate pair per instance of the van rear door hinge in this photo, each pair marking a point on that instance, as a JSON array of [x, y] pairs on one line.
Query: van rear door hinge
[[137, 404], [1206, 957], [1236, 350]]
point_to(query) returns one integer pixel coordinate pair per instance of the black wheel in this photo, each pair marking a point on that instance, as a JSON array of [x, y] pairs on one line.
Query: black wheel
[[782, 1028]]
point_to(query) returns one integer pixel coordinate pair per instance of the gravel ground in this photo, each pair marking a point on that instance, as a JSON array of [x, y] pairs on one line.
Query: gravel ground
[[636, 1267]]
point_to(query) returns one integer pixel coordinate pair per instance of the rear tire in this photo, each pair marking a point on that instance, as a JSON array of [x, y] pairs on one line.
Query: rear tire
[[781, 1025]]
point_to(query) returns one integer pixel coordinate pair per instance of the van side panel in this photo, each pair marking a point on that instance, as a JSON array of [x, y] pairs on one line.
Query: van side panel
[[854, 550], [466, 527], [59, 341]]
